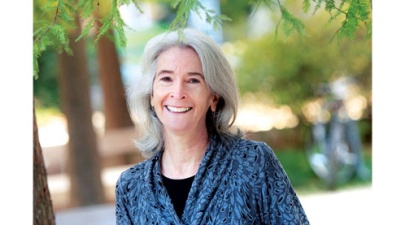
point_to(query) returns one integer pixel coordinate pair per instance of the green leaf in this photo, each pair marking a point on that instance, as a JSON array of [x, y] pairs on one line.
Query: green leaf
[[86, 29], [306, 5]]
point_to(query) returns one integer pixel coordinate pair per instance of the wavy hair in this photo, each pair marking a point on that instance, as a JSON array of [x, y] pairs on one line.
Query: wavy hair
[[218, 76]]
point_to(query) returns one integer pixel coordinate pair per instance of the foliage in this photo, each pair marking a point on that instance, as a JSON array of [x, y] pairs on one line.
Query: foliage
[[236, 10], [289, 71], [54, 19], [185, 7], [357, 13], [45, 90], [353, 15]]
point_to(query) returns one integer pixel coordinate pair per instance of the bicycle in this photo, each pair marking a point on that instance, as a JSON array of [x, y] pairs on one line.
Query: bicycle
[[334, 148]]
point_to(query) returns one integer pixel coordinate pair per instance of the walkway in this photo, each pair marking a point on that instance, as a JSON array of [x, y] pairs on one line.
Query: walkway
[[346, 207]]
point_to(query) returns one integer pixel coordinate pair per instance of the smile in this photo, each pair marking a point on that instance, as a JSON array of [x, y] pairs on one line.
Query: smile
[[178, 109]]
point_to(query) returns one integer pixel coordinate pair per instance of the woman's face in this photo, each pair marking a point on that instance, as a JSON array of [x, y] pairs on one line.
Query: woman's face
[[181, 97]]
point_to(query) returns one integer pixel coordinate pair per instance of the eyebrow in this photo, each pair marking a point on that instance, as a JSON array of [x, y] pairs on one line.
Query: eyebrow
[[171, 72]]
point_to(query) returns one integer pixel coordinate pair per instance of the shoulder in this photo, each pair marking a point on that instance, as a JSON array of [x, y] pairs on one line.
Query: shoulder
[[252, 146], [135, 174], [244, 148], [240, 142]]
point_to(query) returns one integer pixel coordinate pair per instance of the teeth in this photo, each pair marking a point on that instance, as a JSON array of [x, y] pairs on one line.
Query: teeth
[[178, 110]]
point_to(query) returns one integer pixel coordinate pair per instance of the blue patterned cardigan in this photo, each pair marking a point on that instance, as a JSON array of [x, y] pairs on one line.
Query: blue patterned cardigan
[[239, 181]]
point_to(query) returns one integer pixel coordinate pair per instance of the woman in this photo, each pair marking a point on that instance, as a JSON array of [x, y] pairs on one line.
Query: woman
[[199, 169]]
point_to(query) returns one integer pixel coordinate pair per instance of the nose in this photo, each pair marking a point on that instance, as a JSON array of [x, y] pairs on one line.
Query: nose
[[178, 91]]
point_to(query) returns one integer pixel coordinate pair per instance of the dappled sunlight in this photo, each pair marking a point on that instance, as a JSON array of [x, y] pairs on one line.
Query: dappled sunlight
[[256, 116], [99, 120], [313, 111], [53, 132], [233, 50], [356, 106]]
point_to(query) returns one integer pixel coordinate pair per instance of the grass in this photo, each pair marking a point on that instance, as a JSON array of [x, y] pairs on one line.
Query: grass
[[304, 180]]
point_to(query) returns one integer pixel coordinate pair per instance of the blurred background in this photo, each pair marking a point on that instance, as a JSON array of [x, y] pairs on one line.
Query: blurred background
[[281, 80]]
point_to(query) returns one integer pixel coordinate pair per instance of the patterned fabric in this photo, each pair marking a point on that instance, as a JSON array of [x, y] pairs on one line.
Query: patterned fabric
[[239, 181]]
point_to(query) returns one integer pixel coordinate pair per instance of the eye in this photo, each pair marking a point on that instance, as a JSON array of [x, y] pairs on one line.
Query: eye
[[194, 81], [166, 79]]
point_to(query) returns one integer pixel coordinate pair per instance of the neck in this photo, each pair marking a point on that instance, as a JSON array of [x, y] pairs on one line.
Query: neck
[[182, 155]]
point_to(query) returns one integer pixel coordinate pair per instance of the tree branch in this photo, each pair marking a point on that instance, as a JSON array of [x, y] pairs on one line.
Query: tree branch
[[51, 25]]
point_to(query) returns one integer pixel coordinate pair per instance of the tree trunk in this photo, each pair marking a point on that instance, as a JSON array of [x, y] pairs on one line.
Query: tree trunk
[[84, 165], [42, 206], [114, 94]]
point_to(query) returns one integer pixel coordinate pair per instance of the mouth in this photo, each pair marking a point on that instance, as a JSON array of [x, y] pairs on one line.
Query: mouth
[[178, 109]]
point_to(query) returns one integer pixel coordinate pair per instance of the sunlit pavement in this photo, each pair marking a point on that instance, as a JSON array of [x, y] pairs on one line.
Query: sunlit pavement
[[91, 215], [344, 207]]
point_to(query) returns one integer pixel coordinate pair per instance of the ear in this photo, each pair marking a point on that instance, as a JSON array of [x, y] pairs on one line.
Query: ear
[[214, 103]]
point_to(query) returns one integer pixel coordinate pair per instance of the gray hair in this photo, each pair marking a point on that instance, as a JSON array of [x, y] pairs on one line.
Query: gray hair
[[218, 75]]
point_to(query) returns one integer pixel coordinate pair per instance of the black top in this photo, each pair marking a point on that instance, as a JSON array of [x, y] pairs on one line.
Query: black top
[[178, 191]]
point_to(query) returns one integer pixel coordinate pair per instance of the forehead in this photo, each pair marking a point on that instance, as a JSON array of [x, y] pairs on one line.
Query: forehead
[[179, 58]]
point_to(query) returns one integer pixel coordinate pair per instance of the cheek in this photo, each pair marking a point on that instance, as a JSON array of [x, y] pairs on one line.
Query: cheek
[[155, 100], [155, 95]]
